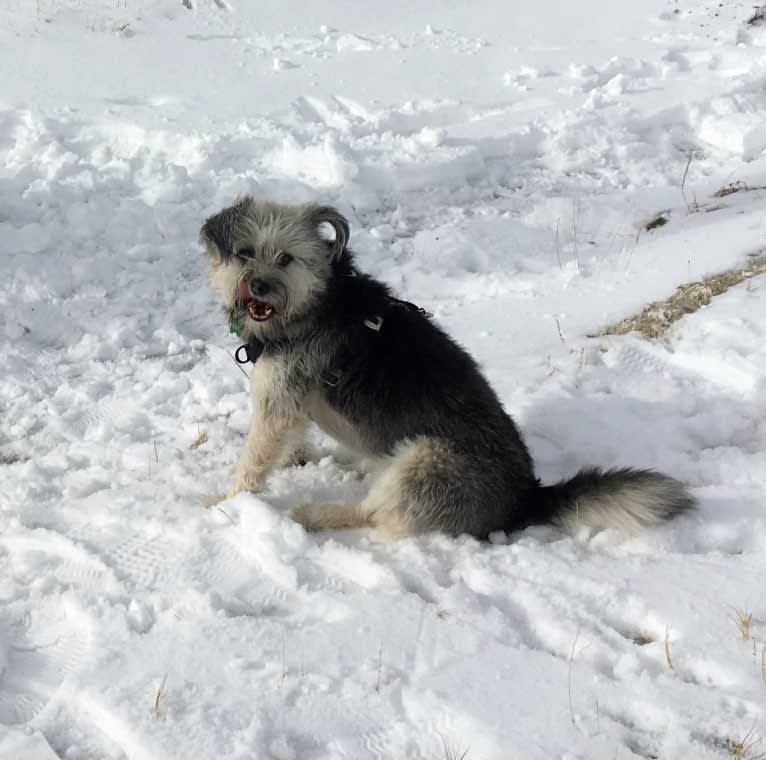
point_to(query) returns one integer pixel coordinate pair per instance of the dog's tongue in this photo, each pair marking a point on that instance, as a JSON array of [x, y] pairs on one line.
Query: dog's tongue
[[243, 291]]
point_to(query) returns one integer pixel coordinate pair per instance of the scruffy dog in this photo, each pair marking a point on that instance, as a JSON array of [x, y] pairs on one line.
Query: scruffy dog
[[334, 347]]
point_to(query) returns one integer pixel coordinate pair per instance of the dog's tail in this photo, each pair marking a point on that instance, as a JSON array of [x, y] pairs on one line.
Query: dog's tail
[[626, 499]]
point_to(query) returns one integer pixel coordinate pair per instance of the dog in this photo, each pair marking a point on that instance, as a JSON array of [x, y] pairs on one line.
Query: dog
[[333, 346]]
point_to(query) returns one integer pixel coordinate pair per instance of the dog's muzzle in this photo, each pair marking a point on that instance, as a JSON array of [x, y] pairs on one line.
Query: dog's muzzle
[[258, 309]]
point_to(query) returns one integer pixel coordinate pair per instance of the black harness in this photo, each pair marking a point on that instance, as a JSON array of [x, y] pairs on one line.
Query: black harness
[[251, 351]]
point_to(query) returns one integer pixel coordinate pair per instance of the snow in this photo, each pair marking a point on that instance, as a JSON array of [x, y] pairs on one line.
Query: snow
[[498, 165]]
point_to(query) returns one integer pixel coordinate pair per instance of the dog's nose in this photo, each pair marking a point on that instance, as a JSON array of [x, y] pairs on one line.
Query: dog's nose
[[259, 287]]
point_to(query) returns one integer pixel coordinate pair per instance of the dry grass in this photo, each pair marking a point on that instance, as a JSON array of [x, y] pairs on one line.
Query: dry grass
[[160, 694], [226, 514], [380, 669], [558, 328], [735, 187], [745, 748], [663, 217], [743, 621], [690, 207], [199, 440], [668, 658], [450, 753], [655, 319]]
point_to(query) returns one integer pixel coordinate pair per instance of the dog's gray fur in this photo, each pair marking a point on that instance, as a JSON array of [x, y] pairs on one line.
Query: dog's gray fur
[[405, 395]]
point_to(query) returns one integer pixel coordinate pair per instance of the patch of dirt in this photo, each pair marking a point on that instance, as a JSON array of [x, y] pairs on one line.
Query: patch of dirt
[[735, 187], [659, 221], [655, 319]]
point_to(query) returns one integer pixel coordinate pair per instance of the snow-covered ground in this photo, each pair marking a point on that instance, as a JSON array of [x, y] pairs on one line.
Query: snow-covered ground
[[498, 162]]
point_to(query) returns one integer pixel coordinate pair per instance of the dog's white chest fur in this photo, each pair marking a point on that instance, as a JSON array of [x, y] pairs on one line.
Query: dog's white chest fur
[[265, 379]]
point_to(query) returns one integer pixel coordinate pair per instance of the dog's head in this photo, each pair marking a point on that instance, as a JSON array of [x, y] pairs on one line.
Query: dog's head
[[269, 263]]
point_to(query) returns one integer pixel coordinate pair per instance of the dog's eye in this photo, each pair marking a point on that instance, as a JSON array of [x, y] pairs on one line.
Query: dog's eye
[[246, 253], [283, 259]]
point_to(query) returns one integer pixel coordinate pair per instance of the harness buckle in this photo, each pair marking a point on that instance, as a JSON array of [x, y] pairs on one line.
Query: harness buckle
[[375, 323]]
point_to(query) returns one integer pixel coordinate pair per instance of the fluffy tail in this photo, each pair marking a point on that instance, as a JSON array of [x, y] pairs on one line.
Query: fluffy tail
[[626, 499]]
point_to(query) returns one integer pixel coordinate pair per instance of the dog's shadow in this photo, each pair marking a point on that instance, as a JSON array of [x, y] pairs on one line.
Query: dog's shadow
[[566, 434], [699, 439]]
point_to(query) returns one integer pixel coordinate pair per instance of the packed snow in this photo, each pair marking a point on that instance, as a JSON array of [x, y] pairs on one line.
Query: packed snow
[[502, 165]]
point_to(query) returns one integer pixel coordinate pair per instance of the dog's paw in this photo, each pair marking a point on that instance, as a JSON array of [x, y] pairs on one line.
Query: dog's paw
[[306, 515], [213, 500], [361, 467], [248, 485]]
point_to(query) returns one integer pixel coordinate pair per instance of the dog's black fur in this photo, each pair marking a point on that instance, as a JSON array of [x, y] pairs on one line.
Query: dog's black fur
[[411, 379], [418, 402]]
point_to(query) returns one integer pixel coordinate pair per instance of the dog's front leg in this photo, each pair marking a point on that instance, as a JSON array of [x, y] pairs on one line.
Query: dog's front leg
[[264, 448], [276, 423]]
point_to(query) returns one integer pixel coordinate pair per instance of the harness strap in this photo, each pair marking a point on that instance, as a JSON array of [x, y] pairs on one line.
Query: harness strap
[[375, 323], [251, 351]]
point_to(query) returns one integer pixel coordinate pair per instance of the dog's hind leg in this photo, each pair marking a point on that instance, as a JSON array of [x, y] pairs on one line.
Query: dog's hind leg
[[331, 516], [381, 508], [353, 515], [413, 494]]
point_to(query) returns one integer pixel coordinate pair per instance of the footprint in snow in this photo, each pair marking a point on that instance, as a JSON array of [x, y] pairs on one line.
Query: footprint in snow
[[37, 653]]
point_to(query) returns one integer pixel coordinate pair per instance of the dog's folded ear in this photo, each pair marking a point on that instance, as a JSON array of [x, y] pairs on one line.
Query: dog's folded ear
[[219, 229], [339, 223]]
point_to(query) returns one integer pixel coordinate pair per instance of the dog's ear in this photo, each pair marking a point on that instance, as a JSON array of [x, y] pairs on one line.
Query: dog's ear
[[339, 223], [219, 229]]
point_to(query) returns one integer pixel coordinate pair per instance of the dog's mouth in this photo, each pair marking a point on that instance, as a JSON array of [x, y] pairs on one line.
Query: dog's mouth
[[258, 310]]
